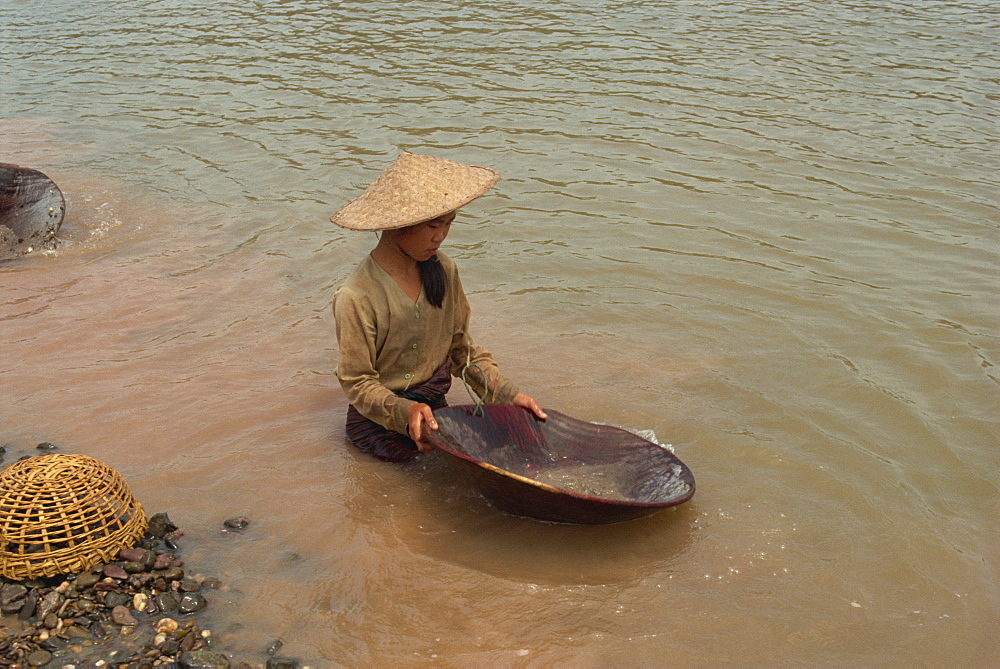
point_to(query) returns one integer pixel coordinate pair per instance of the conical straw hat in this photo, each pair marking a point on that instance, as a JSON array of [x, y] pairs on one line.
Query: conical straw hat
[[415, 188]]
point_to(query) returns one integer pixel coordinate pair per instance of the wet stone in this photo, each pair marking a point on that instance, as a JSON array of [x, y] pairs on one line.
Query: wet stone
[[190, 585], [140, 602], [87, 580], [172, 574], [39, 658], [52, 621], [162, 561], [114, 599], [134, 567], [46, 446], [170, 646], [99, 630], [50, 604], [115, 571], [78, 632], [203, 659], [107, 585], [237, 523], [160, 526], [12, 597], [28, 608], [142, 556], [122, 616], [281, 663], [139, 581], [188, 641], [84, 605], [191, 602], [165, 626], [166, 602]]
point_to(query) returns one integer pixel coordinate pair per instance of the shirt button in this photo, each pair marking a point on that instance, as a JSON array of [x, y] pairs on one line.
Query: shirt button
[[414, 346], [407, 376], [418, 315]]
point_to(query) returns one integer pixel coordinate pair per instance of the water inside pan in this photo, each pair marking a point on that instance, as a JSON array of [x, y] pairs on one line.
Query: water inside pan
[[591, 480]]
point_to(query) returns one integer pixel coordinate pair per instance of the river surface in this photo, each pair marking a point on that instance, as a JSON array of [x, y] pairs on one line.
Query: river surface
[[766, 231]]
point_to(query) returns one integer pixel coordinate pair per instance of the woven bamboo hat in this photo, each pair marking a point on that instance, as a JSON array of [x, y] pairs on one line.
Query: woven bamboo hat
[[62, 514], [415, 188]]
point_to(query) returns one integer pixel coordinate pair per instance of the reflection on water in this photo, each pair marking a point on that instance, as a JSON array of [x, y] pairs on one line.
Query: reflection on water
[[766, 231]]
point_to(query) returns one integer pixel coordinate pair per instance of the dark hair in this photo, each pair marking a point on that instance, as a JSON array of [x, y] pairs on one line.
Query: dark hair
[[434, 280]]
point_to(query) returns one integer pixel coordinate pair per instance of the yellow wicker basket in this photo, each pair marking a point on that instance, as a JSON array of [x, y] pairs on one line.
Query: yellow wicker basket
[[62, 514]]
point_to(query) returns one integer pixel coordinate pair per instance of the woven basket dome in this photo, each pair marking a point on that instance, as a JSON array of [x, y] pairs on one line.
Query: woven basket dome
[[62, 514]]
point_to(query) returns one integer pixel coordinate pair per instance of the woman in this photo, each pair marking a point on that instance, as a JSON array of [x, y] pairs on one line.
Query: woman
[[402, 316]]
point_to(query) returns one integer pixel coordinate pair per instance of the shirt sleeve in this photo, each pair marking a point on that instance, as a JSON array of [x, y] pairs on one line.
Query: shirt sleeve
[[357, 324], [481, 371]]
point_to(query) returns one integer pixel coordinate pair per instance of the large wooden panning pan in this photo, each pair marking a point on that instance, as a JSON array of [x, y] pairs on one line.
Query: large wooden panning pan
[[560, 469]]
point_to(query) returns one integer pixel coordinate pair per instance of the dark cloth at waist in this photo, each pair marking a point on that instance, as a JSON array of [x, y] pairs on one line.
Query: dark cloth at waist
[[370, 437]]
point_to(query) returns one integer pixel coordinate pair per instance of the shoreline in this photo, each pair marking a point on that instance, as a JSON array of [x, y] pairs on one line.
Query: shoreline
[[138, 611]]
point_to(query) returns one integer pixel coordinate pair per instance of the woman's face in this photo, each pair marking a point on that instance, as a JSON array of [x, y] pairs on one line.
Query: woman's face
[[421, 241]]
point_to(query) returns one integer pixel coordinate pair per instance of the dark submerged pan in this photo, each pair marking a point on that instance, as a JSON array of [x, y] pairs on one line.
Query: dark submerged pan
[[31, 211], [560, 469]]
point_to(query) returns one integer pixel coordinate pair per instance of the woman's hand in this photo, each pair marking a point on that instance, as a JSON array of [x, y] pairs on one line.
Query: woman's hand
[[530, 404], [420, 421]]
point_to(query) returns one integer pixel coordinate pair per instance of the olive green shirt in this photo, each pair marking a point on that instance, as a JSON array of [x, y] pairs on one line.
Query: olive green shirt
[[389, 343]]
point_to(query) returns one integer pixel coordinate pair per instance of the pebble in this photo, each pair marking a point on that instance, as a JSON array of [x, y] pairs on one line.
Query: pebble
[[28, 608], [115, 571], [12, 597], [166, 601], [160, 526], [115, 599], [166, 625], [39, 658], [162, 561], [172, 573], [191, 602], [87, 580], [122, 616], [237, 523], [134, 567], [144, 557], [78, 632], [50, 604], [203, 659]]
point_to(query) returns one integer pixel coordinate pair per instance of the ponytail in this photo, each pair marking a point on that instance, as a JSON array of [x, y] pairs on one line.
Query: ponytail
[[433, 278]]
